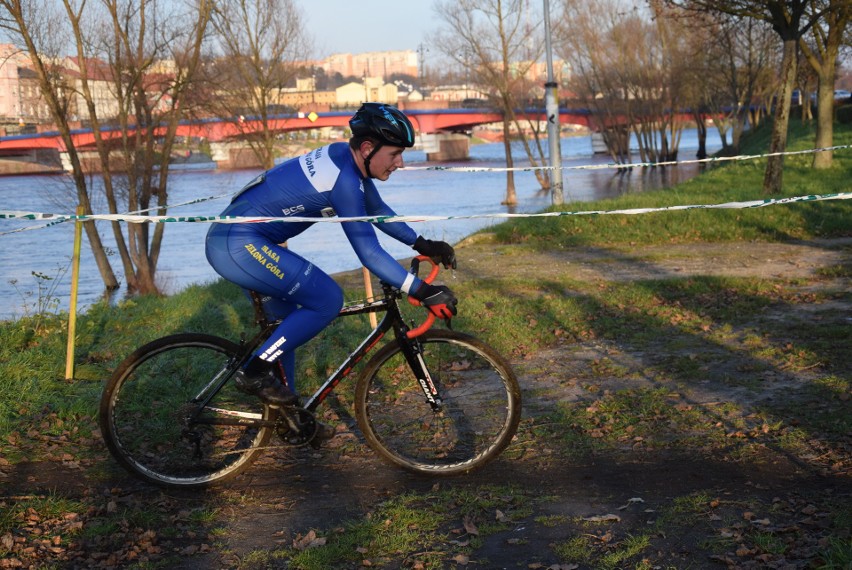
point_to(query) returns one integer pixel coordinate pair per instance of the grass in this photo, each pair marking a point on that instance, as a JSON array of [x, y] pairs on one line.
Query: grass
[[727, 332], [427, 529], [514, 314], [728, 182]]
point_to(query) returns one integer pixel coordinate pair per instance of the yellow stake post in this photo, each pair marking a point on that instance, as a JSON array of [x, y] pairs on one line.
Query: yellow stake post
[[368, 289], [72, 304]]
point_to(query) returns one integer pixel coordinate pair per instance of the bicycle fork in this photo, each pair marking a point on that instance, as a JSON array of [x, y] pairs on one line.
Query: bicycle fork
[[413, 352]]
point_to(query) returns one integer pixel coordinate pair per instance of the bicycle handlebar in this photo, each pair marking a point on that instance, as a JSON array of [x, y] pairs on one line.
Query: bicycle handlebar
[[430, 317]]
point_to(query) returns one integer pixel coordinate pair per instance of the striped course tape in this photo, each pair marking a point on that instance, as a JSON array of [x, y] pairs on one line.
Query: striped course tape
[[142, 219], [620, 166], [140, 216]]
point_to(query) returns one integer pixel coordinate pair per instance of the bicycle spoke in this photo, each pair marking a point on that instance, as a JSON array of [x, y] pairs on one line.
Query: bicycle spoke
[[151, 421], [476, 417]]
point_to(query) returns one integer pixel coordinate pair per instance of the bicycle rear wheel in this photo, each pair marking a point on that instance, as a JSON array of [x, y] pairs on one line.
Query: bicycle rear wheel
[[147, 404], [479, 411]]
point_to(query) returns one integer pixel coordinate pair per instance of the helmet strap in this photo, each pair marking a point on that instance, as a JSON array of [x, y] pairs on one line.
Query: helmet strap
[[369, 157]]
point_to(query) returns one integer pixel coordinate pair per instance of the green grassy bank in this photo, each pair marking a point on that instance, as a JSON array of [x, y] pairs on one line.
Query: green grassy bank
[[45, 417]]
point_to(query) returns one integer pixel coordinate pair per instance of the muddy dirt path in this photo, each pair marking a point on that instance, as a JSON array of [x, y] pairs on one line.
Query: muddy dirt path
[[290, 492]]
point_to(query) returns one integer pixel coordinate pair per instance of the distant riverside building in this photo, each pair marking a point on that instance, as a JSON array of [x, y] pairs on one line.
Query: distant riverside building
[[101, 84], [371, 89], [457, 93], [372, 64], [20, 97], [306, 97]]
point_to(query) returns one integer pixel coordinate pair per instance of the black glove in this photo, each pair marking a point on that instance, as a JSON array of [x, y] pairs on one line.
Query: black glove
[[438, 299], [439, 251]]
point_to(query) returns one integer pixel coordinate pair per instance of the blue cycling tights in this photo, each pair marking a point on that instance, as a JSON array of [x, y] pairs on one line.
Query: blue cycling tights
[[294, 290]]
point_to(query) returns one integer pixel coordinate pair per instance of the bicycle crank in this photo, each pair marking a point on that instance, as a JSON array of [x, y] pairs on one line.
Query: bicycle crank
[[296, 426]]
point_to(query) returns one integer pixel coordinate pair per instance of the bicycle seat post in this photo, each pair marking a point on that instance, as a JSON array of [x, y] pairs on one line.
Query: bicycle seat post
[[259, 315]]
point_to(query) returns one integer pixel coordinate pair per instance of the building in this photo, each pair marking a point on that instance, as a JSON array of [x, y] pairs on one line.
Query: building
[[101, 86], [305, 97], [371, 89], [21, 103], [372, 64]]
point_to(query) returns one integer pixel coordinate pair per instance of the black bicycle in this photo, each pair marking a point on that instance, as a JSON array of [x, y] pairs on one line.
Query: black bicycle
[[436, 402]]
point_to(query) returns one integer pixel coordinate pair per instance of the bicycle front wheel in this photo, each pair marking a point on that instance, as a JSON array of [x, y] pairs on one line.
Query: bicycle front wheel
[[152, 420], [479, 405]]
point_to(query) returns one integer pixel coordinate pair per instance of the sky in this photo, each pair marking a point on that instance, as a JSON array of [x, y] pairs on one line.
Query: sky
[[358, 26]]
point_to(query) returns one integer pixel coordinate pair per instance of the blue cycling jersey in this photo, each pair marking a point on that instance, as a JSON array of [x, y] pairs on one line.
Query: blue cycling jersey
[[324, 182]]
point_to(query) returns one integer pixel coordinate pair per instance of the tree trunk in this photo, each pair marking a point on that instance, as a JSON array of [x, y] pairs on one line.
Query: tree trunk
[[98, 252], [824, 122], [701, 125], [822, 55], [772, 179], [511, 196]]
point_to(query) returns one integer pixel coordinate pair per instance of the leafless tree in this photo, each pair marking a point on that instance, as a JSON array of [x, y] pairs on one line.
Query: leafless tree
[[494, 40], [153, 54], [733, 63], [123, 44], [631, 67], [790, 19], [40, 29], [261, 44], [581, 37], [821, 48]]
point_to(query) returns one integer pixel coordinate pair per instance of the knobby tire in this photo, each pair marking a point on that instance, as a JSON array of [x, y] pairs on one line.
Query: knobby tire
[[480, 405], [146, 404]]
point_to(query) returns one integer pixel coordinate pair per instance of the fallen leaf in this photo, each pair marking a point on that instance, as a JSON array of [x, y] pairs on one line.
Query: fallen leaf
[[469, 527], [603, 518], [631, 501], [310, 540]]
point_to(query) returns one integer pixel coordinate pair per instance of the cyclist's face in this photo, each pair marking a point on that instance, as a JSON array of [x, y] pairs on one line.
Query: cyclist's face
[[385, 161]]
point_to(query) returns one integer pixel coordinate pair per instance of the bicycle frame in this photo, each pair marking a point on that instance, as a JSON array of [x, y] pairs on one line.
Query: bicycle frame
[[392, 320]]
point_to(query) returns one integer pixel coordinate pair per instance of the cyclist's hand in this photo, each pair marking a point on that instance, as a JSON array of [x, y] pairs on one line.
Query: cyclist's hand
[[438, 299], [439, 251]]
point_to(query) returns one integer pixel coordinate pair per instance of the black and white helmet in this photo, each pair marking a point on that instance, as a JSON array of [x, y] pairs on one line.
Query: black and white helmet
[[383, 122]]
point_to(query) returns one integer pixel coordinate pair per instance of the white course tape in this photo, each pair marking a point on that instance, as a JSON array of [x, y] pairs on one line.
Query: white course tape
[[619, 166], [139, 219]]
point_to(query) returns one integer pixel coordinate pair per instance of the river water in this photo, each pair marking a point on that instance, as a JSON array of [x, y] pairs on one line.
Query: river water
[[46, 251]]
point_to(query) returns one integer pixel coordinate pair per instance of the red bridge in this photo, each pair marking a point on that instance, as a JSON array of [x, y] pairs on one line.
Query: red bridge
[[218, 130], [433, 125]]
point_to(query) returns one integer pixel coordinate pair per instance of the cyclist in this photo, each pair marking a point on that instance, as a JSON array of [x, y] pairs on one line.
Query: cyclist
[[334, 180]]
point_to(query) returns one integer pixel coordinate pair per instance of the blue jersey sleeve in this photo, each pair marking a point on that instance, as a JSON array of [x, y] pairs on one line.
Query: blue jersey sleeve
[[400, 231], [352, 198]]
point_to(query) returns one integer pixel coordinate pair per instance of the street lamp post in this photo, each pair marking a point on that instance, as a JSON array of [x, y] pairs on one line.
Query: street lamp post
[[551, 106]]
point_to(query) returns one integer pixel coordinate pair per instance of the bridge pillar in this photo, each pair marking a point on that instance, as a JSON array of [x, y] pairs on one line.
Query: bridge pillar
[[598, 144], [90, 161], [65, 161], [441, 147], [233, 155]]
